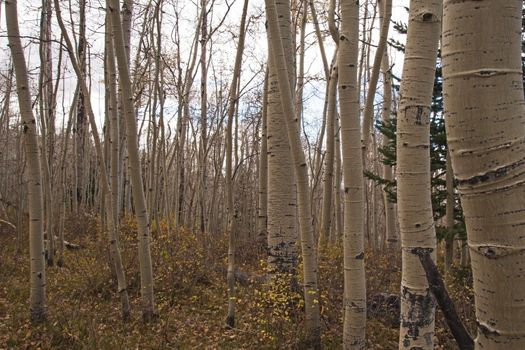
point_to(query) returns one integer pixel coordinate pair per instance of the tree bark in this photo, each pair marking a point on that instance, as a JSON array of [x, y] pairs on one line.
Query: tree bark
[[391, 235], [485, 118], [385, 12], [354, 269], [416, 220], [449, 216], [232, 211], [282, 197], [311, 292], [262, 210], [326, 213], [37, 297], [139, 201]]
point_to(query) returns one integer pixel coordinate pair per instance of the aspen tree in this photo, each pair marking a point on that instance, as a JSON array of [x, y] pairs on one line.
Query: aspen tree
[[282, 197], [485, 118], [81, 124], [46, 113], [37, 296], [127, 21], [332, 27], [385, 11], [449, 215], [416, 221], [302, 49], [139, 201], [337, 185], [203, 147], [334, 32], [262, 210], [232, 212], [353, 245], [326, 214], [391, 235], [114, 125], [311, 292]]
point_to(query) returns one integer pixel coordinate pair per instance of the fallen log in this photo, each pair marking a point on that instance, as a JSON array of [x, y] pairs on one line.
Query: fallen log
[[69, 245], [437, 287]]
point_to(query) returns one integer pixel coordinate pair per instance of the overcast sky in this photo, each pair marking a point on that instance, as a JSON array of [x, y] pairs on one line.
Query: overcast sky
[[224, 46]]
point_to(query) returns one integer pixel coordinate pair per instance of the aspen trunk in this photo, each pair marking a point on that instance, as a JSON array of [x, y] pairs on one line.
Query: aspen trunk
[[203, 148], [391, 235], [232, 212], [449, 216], [262, 217], [282, 202], [311, 292], [353, 244], [385, 10], [484, 108], [47, 125], [337, 185], [139, 201], [331, 111], [416, 221], [81, 121], [37, 297]]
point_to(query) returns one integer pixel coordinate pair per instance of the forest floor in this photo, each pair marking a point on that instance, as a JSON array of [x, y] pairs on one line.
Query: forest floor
[[190, 292]]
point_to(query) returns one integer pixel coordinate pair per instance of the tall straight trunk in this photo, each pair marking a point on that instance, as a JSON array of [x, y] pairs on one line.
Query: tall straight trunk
[[114, 126], [204, 120], [262, 202], [127, 21], [353, 244], [485, 118], [139, 200], [337, 185], [46, 94], [385, 12], [282, 197], [449, 216], [81, 121], [37, 296], [232, 212], [391, 235], [416, 221], [319, 38], [308, 248], [300, 68], [326, 213], [334, 32]]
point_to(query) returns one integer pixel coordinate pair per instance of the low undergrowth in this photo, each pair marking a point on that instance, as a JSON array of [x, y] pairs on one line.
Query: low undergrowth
[[190, 291]]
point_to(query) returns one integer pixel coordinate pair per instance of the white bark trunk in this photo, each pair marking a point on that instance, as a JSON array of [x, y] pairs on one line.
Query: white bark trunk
[[485, 118]]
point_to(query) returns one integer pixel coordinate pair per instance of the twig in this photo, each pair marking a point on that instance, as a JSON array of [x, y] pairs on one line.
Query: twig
[[8, 223]]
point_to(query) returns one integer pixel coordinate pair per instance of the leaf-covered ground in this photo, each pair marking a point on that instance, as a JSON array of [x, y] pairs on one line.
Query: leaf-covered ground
[[191, 297]]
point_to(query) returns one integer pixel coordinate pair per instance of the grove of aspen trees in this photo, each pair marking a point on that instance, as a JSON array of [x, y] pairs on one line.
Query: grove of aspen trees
[[262, 174]]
